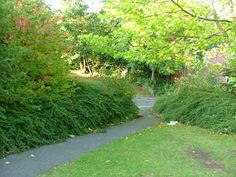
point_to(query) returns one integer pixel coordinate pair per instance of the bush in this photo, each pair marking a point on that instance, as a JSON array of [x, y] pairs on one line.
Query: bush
[[210, 108], [231, 73], [38, 104], [158, 86], [83, 107], [122, 86]]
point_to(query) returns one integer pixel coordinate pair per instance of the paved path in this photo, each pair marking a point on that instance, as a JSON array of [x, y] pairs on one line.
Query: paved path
[[35, 161]]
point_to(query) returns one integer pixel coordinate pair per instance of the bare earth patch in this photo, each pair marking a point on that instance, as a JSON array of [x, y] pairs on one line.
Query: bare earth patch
[[206, 159]]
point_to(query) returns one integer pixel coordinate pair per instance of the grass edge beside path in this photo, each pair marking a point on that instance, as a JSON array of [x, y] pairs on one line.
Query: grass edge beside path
[[178, 151]]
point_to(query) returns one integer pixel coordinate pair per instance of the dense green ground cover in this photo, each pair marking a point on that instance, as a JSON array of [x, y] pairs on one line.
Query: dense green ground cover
[[205, 107], [82, 108], [39, 104], [177, 151]]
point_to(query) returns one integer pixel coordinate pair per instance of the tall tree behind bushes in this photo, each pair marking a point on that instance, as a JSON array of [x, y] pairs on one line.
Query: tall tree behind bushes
[[77, 21]]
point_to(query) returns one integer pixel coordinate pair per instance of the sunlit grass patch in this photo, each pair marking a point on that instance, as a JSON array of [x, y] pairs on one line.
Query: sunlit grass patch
[[157, 152]]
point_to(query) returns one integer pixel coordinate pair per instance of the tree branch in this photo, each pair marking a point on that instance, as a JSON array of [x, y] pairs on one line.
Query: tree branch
[[207, 37], [199, 17], [155, 15]]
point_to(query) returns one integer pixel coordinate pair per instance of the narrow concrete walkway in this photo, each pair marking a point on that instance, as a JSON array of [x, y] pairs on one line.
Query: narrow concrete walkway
[[35, 161]]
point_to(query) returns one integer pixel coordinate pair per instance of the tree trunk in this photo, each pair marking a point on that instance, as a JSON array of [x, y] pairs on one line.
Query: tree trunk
[[89, 68], [153, 75], [84, 66], [81, 66]]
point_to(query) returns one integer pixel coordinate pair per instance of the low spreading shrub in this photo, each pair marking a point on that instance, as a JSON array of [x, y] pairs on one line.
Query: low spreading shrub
[[211, 108], [38, 103], [81, 108], [122, 86]]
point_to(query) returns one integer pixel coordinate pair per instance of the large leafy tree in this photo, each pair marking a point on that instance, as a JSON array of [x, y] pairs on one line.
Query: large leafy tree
[[77, 22], [164, 35]]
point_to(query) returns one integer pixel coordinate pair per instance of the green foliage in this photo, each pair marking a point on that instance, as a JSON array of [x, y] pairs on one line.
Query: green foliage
[[38, 104], [205, 107], [198, 80], [231, 73], [159, 86], [84, 107], [161, 35], [146, 36], [123, 87], [77, 22], [31, 49]]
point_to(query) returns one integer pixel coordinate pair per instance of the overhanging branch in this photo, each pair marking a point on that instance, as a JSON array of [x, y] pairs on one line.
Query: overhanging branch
[[199, 17], [207, 37]]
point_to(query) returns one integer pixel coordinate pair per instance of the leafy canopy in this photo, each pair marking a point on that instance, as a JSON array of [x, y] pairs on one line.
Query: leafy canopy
[[163, 34]]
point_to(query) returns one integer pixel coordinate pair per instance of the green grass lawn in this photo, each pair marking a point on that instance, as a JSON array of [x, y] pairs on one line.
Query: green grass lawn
[[162, 151]]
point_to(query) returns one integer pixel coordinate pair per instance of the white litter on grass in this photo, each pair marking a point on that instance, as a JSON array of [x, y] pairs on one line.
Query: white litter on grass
[[107, 161], [172, 123], [32, 155], [7, 163]]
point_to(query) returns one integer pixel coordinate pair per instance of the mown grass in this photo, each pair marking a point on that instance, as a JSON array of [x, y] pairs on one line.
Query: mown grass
[[157, 152]]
